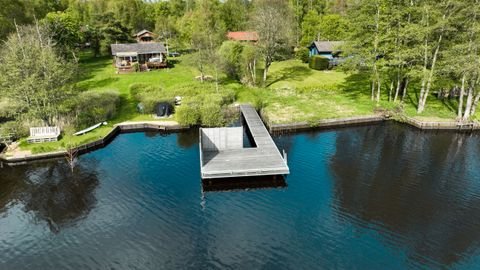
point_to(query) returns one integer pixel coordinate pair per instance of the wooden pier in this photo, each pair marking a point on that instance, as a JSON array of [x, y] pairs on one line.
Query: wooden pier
[[222, 154]]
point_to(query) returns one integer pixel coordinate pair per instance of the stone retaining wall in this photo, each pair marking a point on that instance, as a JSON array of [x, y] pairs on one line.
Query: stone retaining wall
[[100, 143]]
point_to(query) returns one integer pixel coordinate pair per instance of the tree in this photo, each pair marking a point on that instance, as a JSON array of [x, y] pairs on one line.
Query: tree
[[208, 31], [112, 31], [310, 28], [333, 27], [462, 59], [271, 19], [230, 56], [11, 12], [234, 14], [249, 60], [65, 32], [33, 76], [435, 19]]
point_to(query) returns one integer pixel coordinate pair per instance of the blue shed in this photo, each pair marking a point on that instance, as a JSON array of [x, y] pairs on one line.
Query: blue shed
[[328, 49]]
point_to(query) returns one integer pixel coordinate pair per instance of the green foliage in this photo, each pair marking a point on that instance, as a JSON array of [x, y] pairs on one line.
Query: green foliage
[[211, 114], [150, 96], [310, 28], [93, 107], [272, 20], [13, 128], [302, 54], [136, 67], [333, 27], [230, 55], [188, 114], [235, 14], [64, 29], [318, 62], [112, 31], [33, 76]]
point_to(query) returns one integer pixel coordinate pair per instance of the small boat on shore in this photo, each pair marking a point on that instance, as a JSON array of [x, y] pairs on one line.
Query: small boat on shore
[[81, 132]]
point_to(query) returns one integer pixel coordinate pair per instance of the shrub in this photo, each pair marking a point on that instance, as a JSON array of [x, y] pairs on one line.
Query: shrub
[[136, 67], [230, 55], [150, 96], [93, 107], [318, 62], [211, 114], [303, 55], [136, 88], [188, 114], [15, 128]]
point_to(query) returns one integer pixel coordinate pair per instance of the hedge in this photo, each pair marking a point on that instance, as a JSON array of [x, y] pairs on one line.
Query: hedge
[[318, 62]]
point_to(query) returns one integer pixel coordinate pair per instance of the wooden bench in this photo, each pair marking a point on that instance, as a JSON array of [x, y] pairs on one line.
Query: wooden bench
[[43, 134]]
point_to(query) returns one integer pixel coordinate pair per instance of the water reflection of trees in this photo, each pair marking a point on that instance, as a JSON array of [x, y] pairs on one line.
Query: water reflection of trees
[[188, 138], [51, 191], [418, 185]]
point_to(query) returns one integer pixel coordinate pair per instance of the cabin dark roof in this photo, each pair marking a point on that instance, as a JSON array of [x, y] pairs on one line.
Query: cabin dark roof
[[142, 32], [327, 46], [140, 48]]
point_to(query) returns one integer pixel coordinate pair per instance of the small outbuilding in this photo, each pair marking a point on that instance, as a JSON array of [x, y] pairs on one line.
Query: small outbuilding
[[328, 49], [144, 36]]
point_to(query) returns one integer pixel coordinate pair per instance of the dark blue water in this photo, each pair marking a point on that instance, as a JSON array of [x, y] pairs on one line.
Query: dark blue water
[[377, 197]]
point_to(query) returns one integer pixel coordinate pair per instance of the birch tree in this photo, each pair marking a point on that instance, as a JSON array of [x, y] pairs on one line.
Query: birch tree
[[33, 76], [272, 20]]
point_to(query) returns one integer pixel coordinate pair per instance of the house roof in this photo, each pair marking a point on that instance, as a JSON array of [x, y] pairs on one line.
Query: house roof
[[243, 36], [143, 32], [140, 48], [326, 46]]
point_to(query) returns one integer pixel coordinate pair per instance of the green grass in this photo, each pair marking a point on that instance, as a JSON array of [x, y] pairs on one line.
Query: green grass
[[293, 93]]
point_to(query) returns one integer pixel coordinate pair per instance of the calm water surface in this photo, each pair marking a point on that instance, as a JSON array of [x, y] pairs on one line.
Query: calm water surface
[[376, 197]]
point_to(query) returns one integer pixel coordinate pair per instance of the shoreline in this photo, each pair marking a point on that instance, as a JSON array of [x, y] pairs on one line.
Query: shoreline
[[143, 126], [124, 127]]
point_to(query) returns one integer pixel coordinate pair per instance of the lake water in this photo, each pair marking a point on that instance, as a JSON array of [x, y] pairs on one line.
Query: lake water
[[374, 197]]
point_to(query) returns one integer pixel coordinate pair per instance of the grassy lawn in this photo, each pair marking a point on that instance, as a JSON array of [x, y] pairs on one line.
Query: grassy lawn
[[99, 74], [293, 93]]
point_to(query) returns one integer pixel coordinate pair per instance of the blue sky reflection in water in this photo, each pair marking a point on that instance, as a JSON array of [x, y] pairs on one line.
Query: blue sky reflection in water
[[376, 197]]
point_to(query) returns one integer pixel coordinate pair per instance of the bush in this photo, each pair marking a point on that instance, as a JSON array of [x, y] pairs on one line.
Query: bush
[[211, 114], [150, 96], [136, 88], [318, 62], [303, 55], [93, 107], [14, 128], [188, 114], [136, 67], [230, 55]]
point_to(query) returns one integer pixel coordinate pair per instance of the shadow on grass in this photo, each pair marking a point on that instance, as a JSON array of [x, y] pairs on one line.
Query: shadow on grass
[[90, 65], [87, 85], [297, 73], [127, 109], [356, 86]]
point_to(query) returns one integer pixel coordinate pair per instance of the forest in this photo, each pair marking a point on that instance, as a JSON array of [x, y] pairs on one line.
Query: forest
[[410, 51]]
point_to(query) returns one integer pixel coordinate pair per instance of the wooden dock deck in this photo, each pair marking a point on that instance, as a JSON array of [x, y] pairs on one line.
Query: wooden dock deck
[[221, 156]]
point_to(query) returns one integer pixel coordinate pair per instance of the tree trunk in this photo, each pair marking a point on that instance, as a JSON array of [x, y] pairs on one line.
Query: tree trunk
[[405, 86], [424, 92], [468, 106], [390, 91], [265, 72], [460, 99], [378, 90], [373, 90], [375, 52], [397, 89], [475, 104]]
